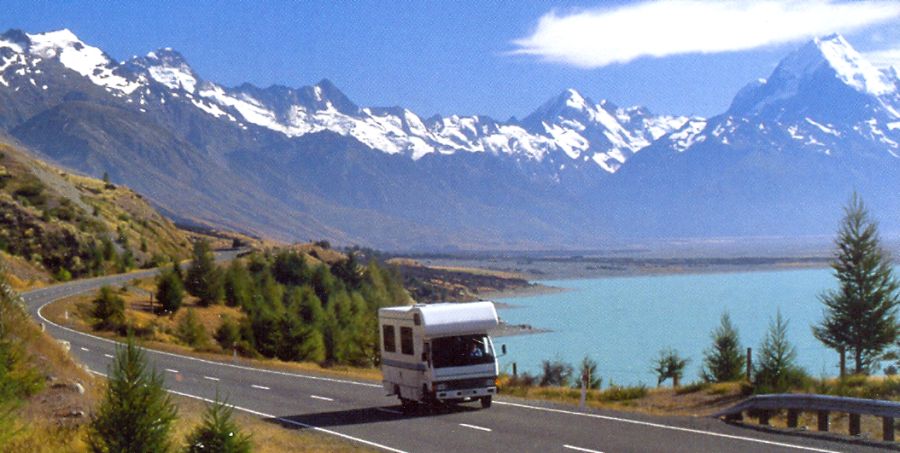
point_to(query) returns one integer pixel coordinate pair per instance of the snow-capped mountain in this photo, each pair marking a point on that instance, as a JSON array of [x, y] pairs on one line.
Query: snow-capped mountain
[[308, 162], [568, 125], [792, 146]]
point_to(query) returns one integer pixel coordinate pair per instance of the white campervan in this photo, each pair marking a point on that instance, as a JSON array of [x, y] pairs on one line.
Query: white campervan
[[439, 352]]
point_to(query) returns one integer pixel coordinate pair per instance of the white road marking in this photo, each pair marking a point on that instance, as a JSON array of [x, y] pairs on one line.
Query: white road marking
[[211, 378], [366, 384], [171, 370], [389, 411], [317, 397], [85, 349], [661, 426], [480, 428], [261, 387], [108, 356], [283, 420], [572, 447]]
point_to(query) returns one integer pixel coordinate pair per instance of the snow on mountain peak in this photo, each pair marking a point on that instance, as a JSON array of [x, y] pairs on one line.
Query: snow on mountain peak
[[169, 68], [575, 100], [86, 60], [849, 66]]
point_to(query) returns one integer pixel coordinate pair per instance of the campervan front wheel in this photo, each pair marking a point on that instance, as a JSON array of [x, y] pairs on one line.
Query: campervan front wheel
[[485, 402]]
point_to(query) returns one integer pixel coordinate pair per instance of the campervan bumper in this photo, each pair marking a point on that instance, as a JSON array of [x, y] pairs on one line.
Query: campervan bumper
[[465, 393]]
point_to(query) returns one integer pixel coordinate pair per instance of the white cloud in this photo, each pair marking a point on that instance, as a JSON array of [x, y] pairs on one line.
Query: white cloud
[[885, 57], [594, 38]]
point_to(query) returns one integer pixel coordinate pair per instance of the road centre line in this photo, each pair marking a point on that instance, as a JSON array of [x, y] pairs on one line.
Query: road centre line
[[261, 387], [480, 428], [282, 420], [572, 447], [171, 370], [317, 397], [210, 378], [669, 427], [344, 381], [108, 356], [85, 349]]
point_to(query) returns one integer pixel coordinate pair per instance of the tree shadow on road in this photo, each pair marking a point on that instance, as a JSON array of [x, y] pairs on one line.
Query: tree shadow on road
[[366, 415]]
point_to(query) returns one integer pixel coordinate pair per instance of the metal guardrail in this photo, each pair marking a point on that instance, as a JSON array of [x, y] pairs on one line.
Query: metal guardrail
[[765, 405]]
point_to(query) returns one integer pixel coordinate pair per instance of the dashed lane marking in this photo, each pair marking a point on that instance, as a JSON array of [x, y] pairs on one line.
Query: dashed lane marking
[[210, 378], [171, 370], [108, 356], [284, 420], [317, 397], [661, 426], [587, 450], [480, 428], [85, 349], [261, 387]]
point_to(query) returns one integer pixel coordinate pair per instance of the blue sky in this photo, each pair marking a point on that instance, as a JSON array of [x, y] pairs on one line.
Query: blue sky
[[500, 58]]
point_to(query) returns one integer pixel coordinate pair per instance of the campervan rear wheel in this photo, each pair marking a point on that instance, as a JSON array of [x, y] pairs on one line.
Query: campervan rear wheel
[[485, 402], [407, 406]]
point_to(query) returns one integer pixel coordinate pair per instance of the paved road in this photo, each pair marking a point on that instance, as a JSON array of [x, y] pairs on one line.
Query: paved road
[[360, 412]]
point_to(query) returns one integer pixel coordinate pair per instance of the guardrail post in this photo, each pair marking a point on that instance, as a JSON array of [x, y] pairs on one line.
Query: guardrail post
[[887, 428], [822, 417], [854, 425], [792, 416]]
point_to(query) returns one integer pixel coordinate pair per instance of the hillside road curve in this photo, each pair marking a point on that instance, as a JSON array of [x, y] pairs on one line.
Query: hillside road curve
[[359, 411]]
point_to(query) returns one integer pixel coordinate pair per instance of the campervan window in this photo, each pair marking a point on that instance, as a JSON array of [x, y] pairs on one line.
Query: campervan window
[[390, 342], [461, 351], [406, 340]]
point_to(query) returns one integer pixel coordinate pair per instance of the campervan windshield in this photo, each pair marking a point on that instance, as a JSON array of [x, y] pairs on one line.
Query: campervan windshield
[[462, 350]]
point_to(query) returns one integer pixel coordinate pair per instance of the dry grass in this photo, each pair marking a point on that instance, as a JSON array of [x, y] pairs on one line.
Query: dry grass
[[660, 401], [267, 436]]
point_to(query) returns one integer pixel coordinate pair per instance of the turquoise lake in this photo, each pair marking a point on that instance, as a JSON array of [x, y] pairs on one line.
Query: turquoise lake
[[623, 322]]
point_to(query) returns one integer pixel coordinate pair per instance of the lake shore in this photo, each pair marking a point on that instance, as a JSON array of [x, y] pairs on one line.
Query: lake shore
[[533, 289]]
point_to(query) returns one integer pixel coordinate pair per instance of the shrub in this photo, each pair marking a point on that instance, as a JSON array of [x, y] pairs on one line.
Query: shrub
[[191, 332], [136, 414], [218, 432], [776, 369], [169, 291], [228, 334], [555, 373], [108, 310], [669, 365], [619, 393]]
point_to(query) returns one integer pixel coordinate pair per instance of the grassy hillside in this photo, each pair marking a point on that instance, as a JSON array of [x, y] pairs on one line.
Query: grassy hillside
[[55, 225]]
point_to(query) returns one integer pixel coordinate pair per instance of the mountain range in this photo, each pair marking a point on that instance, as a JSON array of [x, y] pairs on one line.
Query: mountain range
[[309, 163]]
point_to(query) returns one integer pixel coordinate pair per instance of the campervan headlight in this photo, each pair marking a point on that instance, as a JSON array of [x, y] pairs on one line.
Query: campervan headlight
[[440, 386]]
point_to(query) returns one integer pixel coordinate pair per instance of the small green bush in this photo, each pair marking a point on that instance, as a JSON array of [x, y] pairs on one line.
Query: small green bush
[[618, 393], [191, 332], [692, 388]]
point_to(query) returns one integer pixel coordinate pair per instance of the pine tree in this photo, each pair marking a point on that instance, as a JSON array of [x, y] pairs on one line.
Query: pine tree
[[191, 331], [169, 291], [776, 369], [237, 285], [860, 316], [109, 310], [228, 335], [724, 362], [204, 278], [218, 432], [136, 415]]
